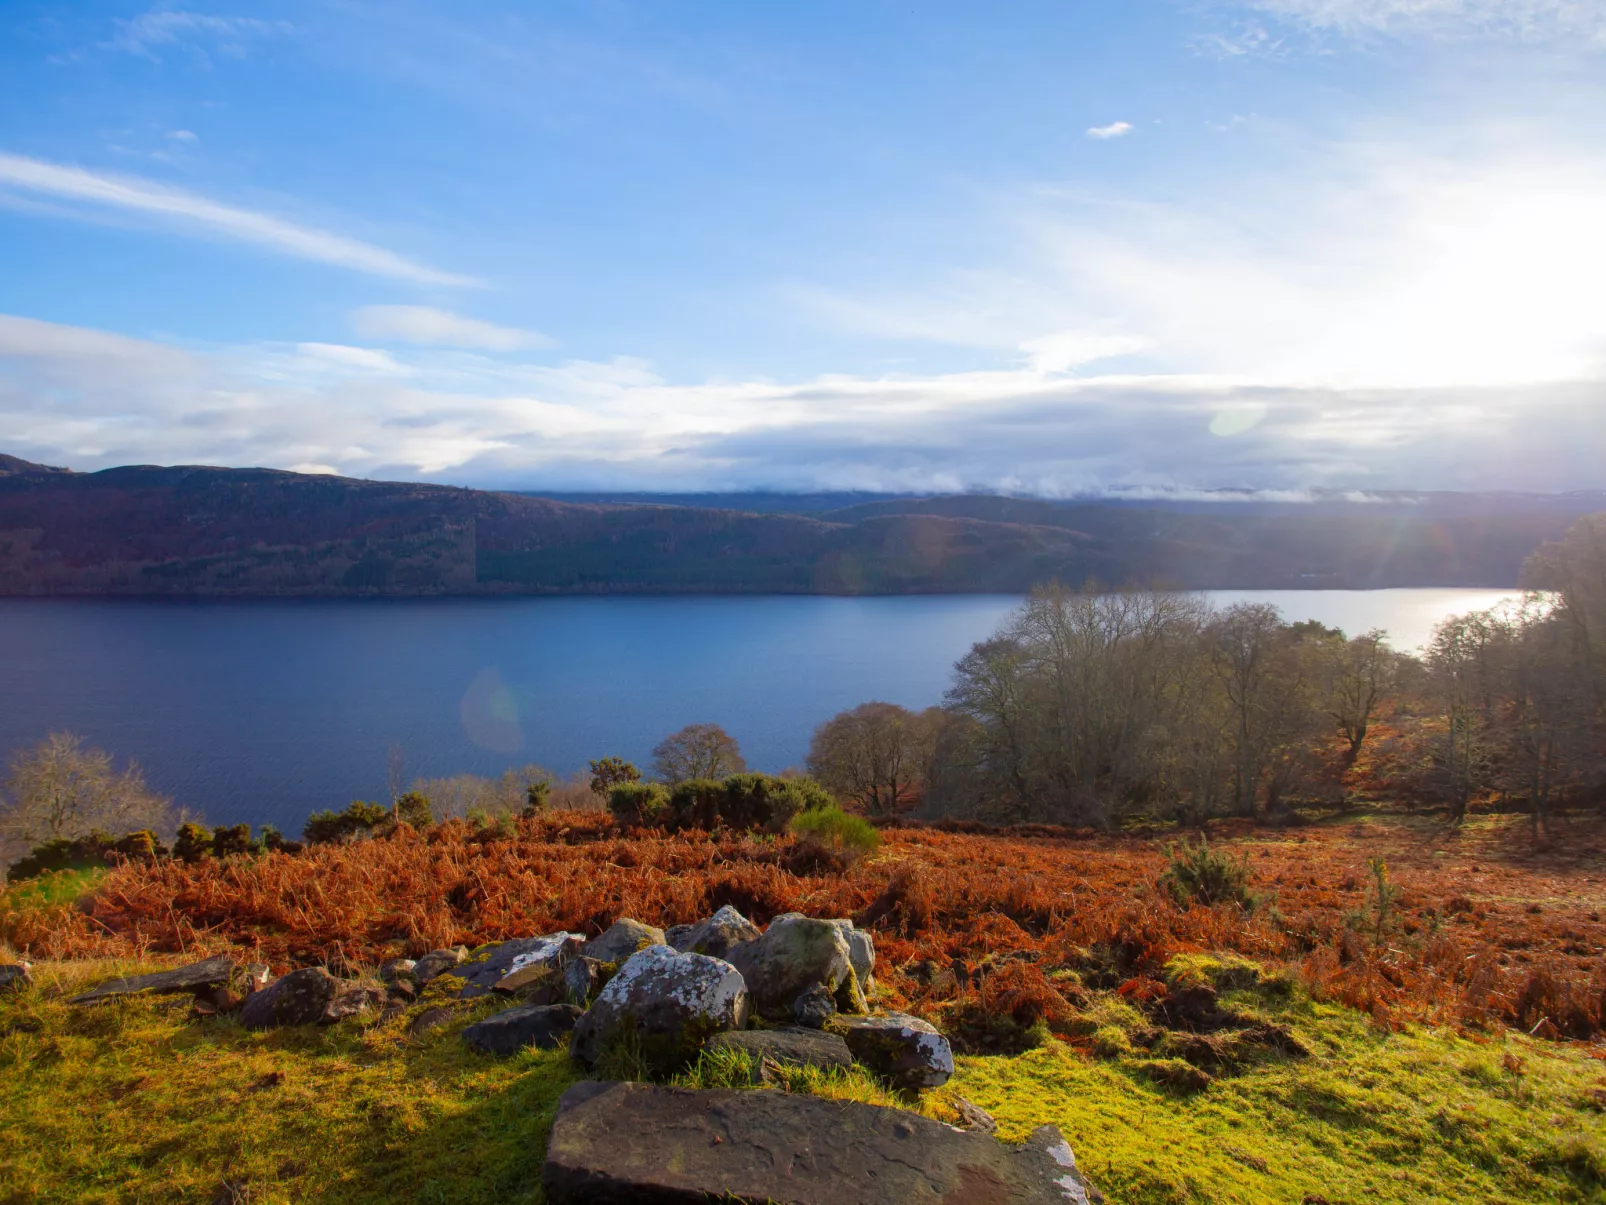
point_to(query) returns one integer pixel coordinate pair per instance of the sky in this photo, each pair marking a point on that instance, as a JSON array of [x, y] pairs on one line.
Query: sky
[[1150, 248]]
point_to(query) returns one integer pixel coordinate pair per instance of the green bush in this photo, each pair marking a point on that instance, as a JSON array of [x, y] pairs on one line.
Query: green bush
[[232, 839], [833, 829], [413, 808], [62, 854], [140, 844], [194, 842], [358, 817], [273, 840], [536, 797], [743, 802], [639, 804], [1201, 875]]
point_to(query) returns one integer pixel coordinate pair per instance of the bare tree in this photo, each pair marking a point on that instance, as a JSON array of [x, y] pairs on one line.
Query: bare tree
[[697, 751], [60, 789], [873, 755], [1354, 678]]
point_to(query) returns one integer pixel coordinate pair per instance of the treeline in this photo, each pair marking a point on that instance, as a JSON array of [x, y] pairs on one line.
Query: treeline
[[1092, 707]]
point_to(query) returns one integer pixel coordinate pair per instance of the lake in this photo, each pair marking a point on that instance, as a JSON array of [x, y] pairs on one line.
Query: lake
[[262, 711]]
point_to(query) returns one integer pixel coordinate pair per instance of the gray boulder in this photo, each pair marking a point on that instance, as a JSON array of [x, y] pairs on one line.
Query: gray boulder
[[624, 938], [905, 1051], [667, 1004], [791, 1046], [205, 976], [436, 963], [715, 936], [397, 970], [14, 976], [643, 1142], [794, 954], [299, 998], [507, 1033]]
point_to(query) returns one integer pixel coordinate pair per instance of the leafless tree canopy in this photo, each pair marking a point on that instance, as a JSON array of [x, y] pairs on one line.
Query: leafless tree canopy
[[61, 789], [697, 751], [873, 756]]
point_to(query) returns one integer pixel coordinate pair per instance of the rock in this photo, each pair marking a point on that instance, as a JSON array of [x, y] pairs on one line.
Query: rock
[[299, 998], [668, 1003], [206, 976], [581, 979], [397, 970], [252, 977], [14, 976], [792, 1149], [939, 979], [814, 1007], [507, 1033], [351, 1002], [541, 963], [403, 990], [861, 954], [623, 939], [716, 936], [437, 963], [906, 1051], [430, 1020], [791, 1046], [974, 1117], [794, 954], [489, 965]]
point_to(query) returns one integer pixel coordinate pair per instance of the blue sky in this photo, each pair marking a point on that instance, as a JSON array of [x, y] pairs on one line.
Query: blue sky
[[1152, 247]]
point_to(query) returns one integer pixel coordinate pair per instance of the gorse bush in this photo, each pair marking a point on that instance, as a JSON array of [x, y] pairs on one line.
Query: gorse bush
[[1197, 874], [193, 843], [413, 808], [358, 817], [639, 804]]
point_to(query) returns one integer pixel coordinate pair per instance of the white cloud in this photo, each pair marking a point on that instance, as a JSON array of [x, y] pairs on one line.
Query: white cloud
[[338, 355], [1116, 129], [183, 136], [192, 214], [427, 325], [169, 27], [91, 399]]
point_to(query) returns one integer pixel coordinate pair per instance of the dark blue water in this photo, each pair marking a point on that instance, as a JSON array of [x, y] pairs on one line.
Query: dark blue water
[[264, 711]]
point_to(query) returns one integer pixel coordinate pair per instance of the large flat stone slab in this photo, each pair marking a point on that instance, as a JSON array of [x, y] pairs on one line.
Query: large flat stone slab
[[200, 976], [644, 1144]]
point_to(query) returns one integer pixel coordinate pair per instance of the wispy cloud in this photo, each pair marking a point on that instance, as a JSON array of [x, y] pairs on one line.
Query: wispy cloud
[[162, 27], [1116, 129], [442, 328], [1573, 21], [192, 214]]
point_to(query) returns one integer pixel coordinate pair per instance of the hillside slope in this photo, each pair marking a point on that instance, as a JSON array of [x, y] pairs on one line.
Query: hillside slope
[[146, 530]]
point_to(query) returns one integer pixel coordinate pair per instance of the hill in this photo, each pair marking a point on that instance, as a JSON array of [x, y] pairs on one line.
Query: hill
[[147, 530]]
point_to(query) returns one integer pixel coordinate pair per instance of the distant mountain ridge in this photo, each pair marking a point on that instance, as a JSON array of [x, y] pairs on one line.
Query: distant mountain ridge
[[195, 530]]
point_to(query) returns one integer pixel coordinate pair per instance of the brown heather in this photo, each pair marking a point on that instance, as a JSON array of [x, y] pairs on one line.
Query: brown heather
[[1486, 930]]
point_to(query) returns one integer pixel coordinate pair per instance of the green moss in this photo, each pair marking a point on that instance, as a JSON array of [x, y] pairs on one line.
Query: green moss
[[132, 1102], [1224, 972], [1105, 1012]]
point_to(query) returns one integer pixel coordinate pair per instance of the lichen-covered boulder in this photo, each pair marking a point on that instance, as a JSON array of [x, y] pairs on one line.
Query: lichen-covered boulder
[[624, 938], [15, 976], [481, 971], [794, 954], [665, 1005], [905, 1051], [716, 935], [299, 998]]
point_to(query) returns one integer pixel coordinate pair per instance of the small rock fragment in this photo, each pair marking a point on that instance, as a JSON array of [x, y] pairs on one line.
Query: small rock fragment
[[435, 963], [581, 979], [14, 976], [814, 1007], [298, 998]]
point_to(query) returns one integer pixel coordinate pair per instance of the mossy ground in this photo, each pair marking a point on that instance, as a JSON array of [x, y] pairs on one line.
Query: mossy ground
[[135, 1102]]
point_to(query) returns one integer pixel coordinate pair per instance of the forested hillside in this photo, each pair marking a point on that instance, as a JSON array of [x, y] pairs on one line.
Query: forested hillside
[[195, 530]]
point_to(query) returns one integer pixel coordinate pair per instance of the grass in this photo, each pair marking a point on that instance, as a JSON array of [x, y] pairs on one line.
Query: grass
[[132, 1102], [55, 887]]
